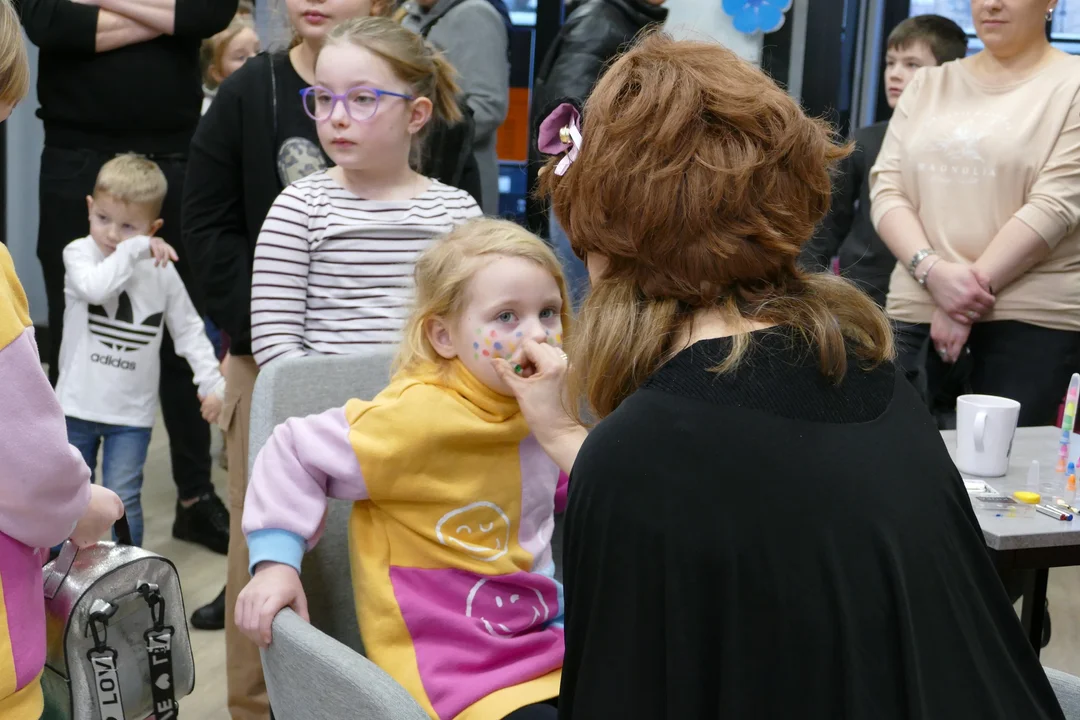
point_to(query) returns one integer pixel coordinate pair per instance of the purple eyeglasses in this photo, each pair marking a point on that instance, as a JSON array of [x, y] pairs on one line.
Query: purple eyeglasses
[[360, 103]]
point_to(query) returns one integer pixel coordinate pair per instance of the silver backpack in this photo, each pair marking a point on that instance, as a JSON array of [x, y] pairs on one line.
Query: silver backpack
[[118, 646]]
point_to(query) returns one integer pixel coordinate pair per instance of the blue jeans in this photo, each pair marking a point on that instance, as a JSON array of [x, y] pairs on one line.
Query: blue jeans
[[122, 464], [577, 275]]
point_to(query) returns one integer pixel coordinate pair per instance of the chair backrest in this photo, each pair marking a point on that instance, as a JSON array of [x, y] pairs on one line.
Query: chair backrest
[[310, 676], [304, 386], [1067, 689]]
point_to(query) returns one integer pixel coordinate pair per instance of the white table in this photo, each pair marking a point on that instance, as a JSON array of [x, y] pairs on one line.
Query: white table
[[1035, 543]]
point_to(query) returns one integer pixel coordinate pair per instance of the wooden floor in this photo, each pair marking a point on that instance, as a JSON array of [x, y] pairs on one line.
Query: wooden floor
[[202, 574]]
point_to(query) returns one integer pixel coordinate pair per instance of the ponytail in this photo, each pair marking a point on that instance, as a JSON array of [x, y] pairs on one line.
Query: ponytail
[[445, 90]]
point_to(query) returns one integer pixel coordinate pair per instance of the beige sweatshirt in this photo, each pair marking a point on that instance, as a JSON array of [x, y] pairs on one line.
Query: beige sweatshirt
[[967, 157]]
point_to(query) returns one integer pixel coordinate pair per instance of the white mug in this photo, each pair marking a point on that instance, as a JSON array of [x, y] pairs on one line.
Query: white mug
[[985, 426]]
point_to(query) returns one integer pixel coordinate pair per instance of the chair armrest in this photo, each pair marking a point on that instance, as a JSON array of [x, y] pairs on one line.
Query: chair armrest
[[311, 676]]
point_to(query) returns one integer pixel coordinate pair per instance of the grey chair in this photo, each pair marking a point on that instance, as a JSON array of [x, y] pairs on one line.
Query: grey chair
[[318, 671], [1067, 689]]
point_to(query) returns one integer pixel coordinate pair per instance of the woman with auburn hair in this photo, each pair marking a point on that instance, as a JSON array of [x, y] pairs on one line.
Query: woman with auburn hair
[[765, 522]]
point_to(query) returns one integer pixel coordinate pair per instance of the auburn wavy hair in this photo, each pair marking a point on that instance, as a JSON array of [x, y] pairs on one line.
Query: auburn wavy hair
[[699, 180]]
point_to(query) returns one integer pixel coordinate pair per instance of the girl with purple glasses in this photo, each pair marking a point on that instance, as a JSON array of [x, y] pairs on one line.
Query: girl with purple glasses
[[333, 270]]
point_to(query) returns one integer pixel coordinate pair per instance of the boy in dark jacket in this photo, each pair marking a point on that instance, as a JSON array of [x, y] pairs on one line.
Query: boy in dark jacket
[[920, 41], [594, 34]]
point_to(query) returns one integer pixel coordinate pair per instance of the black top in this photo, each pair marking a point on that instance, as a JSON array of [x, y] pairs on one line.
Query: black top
[[764, 544], [253, 141], [847, 230], [595, 32], [144, 97], [239, 163]]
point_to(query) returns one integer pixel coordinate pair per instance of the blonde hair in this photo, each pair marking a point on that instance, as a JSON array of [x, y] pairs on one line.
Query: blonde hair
[[134, 179], [213, 48], [413, 60], [14, 67], [442, 277], [699, 180]]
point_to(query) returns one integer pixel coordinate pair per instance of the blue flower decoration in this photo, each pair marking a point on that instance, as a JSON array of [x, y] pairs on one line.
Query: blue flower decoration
[[753, 16]]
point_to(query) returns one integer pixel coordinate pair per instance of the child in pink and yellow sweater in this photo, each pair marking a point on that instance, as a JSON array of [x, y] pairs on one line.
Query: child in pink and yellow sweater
[[450, 535]]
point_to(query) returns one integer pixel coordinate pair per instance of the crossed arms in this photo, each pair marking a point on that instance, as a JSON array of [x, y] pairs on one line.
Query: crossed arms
[[103, 25]]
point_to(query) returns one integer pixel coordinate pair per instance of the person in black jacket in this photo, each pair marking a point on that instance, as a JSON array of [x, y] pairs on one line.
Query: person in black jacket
[[253, 141], [920, 41], [595, 32], [118, 76]]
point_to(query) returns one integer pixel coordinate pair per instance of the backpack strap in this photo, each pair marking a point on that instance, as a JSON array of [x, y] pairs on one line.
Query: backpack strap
[[424, 31], [103, 662], [159, 655]]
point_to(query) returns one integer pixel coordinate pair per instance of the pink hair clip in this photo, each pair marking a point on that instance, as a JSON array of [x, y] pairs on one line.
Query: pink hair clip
[[561, 133]]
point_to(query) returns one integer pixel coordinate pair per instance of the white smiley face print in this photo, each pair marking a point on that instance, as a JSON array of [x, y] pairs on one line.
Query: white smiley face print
[[481, 530], [506, 609]]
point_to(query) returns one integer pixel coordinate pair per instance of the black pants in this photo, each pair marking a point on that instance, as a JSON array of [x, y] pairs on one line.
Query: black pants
[[1025, 362], [540, 711], [67, 177]]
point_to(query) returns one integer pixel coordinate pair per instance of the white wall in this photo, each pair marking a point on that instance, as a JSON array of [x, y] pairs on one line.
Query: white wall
[[25, 138], [704, 19]]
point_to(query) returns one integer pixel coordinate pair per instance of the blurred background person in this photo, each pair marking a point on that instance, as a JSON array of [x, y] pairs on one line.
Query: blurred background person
[[474, 35], [224, 53], [594, 33], [976, 191], [847, 232]]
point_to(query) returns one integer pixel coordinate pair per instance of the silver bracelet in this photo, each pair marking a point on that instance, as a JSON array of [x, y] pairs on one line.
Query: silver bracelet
[[918, 258], [926, 275]]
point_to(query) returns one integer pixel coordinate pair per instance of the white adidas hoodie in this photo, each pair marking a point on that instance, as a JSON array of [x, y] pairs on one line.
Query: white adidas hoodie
[[115, 309]]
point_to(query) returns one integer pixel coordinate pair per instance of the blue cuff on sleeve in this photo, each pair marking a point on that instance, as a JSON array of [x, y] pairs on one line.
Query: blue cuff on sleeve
[[274, 545]]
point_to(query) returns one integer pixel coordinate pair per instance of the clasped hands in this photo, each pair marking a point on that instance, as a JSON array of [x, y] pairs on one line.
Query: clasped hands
[[963, 294]]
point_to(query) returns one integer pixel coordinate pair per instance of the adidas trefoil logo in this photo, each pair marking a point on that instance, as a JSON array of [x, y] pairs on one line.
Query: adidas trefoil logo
[[121, 332]]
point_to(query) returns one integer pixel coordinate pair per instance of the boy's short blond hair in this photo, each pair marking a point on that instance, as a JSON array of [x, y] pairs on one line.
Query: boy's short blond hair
[[14, 67], [134, 179]]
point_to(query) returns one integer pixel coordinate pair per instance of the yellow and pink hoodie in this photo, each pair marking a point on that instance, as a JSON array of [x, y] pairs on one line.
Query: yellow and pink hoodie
[[44, 490], [450, 535]]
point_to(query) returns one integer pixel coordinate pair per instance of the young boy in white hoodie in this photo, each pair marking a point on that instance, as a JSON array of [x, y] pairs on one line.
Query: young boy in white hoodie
[[121, 291]]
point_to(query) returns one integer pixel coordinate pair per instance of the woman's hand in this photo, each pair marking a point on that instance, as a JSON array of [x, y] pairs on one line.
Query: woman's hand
[[948, 336], [540, 390], [962, 291], [273, 587]]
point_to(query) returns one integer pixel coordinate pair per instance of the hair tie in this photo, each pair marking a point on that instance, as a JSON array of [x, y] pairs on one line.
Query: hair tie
[[560, 132]]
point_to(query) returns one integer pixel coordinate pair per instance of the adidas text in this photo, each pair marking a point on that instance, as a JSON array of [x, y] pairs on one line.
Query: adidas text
[[113, 361]]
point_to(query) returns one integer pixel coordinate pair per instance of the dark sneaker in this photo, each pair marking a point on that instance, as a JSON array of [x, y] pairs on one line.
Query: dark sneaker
[[212, 616], [205, 523]]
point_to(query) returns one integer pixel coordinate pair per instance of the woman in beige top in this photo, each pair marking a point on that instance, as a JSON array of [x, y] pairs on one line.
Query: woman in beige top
[[977, 192]]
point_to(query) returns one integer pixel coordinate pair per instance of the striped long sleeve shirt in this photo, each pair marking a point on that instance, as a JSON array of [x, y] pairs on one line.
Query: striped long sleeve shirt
[[333, 273]]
